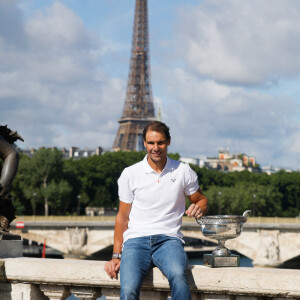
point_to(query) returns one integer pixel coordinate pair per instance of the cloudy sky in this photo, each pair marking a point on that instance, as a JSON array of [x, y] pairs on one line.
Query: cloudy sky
[[225, 73]]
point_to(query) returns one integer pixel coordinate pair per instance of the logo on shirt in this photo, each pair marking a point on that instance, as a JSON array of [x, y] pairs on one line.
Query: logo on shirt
[[173, 179]]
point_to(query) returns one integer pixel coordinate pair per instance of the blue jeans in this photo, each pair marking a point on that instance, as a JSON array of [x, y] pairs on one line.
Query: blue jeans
[[143, 253]]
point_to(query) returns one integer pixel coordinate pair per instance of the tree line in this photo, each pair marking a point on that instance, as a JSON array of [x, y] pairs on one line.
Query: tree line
[[48, 184]]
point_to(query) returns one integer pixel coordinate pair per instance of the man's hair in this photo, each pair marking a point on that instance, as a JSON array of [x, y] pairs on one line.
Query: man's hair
[[158, 127]]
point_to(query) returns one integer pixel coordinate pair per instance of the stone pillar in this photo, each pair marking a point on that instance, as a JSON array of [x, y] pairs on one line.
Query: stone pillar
[[269, 249], [77, 242], [55, 292], [17, 291], [85, 293]]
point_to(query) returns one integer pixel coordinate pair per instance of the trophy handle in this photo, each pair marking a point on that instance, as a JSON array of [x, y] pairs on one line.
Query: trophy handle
[[246, 214], [198, 220]]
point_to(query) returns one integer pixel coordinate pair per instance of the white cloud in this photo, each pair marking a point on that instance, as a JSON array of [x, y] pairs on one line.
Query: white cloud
[[213, 79], [226, 87], [53, 90], [59, 28], [207, 116], [242, 42]]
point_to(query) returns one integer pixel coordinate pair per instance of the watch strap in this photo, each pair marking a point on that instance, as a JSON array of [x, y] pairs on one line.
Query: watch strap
[[117, 255]]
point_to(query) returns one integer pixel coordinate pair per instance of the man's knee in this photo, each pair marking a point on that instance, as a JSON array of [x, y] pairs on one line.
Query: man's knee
[[176, 269], [178, 275]]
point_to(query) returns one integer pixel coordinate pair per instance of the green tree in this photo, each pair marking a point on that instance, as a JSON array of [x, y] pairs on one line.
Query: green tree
[[288, 184], [47, 182], [41, 175], [234, 200], [57, 194]]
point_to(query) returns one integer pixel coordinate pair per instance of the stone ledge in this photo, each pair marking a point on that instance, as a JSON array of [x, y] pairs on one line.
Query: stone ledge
[[234, 281]]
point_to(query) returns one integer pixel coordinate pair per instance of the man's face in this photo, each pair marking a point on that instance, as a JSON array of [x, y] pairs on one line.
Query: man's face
[[156, 145]]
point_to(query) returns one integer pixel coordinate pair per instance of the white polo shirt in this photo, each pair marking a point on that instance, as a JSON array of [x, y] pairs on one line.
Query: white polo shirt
[[158, 200]]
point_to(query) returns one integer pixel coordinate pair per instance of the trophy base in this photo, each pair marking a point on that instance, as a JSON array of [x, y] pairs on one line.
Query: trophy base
[[214, 261]]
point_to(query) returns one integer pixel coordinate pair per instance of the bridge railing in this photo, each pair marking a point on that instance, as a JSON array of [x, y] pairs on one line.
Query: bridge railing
[[38, 279], [273, 220]]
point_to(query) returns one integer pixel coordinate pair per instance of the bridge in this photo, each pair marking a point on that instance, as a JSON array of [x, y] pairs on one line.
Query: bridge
[[56, 279], [268, 242]]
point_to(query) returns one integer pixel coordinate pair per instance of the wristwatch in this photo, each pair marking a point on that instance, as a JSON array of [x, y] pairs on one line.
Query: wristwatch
[[116, 255]]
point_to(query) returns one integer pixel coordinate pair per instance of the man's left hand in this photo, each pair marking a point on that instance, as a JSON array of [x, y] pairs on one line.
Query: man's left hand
[[194, 211]]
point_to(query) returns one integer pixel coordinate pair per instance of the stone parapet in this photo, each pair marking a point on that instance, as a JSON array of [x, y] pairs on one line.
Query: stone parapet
[[38, 279]]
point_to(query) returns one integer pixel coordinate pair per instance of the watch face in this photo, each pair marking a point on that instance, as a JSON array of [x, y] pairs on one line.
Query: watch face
[[116, 255]]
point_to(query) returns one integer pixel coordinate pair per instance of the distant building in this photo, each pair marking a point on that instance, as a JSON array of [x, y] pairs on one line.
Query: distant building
[[101, 211], [73, 152], [77, 153], [226, 162], [94, 211], [271, 170], [28, 152], [193, 161]]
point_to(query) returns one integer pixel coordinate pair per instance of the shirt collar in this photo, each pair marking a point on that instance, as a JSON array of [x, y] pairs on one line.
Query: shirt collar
[[148, 169]]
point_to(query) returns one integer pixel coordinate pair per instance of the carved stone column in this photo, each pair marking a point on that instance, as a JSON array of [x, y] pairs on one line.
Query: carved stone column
[[77, 242], [85, 293], [269, 249], [55, 292]]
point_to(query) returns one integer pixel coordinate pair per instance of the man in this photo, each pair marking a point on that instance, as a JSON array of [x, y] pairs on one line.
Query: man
[[147, 229]]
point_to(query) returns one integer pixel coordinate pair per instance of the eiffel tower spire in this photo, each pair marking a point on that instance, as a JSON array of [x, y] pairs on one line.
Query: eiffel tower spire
[[138, 109]]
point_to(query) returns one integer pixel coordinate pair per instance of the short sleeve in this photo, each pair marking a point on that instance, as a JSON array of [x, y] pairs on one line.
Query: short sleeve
[[124, 190], [191, 182]]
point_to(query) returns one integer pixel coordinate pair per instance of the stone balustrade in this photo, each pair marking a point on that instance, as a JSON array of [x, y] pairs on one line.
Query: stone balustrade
[[38, 279]]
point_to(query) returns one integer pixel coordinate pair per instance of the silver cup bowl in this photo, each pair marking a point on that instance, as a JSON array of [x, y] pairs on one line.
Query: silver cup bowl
[[222, 228]]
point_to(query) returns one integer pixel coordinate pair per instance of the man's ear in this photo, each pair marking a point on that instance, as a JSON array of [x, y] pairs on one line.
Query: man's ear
[[169, 141]]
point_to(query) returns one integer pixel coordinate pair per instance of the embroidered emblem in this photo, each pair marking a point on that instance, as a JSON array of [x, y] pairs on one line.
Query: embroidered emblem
[[173, 179]]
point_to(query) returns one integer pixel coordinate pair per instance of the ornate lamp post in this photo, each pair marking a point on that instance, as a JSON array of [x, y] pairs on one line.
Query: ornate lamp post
[[254, 204], [78, 205], [219, 202], [33, 203]]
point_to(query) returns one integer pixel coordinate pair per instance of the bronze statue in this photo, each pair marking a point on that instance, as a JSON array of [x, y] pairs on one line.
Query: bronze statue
[[10, 158]]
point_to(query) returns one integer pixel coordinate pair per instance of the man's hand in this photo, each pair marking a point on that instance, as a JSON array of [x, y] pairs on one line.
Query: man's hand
[[194, 211], [199, 205], [112, 268]]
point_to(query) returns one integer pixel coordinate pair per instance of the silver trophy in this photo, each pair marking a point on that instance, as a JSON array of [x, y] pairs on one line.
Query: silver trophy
[[222, 228]]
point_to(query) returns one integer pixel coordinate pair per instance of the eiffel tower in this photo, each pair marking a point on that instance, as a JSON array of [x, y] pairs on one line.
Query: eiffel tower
[[138, 109]]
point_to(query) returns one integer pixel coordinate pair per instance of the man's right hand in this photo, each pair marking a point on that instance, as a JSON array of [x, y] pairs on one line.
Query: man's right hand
[[112, 267]]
